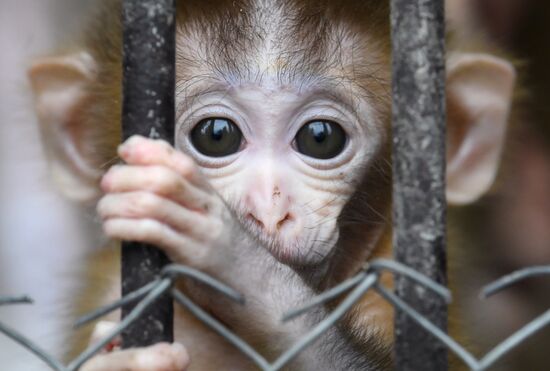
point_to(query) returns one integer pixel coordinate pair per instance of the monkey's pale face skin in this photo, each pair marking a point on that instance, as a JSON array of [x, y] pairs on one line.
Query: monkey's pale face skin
[[289, 200]]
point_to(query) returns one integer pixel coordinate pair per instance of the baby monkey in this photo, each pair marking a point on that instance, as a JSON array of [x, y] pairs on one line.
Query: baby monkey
[[279, 183]]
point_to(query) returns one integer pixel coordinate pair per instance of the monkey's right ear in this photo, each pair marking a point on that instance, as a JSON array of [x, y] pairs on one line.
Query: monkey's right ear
[[60, 86]]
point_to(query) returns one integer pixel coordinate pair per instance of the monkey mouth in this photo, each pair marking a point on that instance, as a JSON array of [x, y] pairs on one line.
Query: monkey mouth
[[292, 249]]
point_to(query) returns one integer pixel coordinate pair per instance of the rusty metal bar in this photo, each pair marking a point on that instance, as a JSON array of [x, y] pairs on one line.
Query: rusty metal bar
[[419, 211], [148, 110]]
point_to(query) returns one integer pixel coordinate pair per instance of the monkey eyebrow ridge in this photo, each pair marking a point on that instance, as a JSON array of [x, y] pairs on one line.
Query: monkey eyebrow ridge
[[342, 92]]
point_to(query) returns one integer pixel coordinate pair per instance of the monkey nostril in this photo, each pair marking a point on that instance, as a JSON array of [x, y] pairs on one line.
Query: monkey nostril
[[286, 218], [270, 225], [255, 220]]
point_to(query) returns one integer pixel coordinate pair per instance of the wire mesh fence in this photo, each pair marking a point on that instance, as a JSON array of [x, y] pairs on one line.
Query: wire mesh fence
[[352, 290]]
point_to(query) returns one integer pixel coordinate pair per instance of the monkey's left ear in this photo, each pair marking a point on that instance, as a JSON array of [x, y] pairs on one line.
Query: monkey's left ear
[[479, 95]]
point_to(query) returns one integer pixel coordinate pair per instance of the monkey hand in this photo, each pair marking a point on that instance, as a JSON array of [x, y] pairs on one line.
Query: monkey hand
[[159, 357], [159, 197]]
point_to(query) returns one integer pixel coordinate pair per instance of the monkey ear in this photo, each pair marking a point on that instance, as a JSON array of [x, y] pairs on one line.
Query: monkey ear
[[479, 95], [60, 86]]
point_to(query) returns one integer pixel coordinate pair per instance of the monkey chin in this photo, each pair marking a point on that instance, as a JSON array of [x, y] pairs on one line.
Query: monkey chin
[[298, 247]]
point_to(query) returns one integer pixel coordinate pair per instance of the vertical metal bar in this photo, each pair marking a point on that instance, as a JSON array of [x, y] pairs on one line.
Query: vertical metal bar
[[419, 211], [148, 110]]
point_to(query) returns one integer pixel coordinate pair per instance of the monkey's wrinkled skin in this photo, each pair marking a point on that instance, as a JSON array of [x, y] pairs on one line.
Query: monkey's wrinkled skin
[[280, 180]]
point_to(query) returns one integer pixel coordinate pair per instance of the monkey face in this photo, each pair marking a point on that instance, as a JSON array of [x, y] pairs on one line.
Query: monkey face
[[282, 120], [284, 159]]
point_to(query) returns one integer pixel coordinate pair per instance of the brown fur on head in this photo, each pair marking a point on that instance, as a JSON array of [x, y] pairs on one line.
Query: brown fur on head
[[232, 33]]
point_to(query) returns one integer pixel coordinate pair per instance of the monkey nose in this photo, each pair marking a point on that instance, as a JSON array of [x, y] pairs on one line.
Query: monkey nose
[[271, 214], [271, 223]]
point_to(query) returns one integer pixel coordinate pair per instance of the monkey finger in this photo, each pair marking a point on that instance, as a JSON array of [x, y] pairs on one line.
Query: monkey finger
[[159, 357], [103, 329], [158, 179], [146, 205], [138, 150], [178, 247]]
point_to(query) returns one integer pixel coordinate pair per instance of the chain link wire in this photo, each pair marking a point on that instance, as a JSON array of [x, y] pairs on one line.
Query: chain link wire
[[353, 289]]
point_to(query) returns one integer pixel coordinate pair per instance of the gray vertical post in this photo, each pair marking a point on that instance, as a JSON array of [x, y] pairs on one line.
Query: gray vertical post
[[148, 110], [419, 211]]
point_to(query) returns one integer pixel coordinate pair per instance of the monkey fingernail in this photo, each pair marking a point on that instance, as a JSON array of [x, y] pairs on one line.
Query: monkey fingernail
[[123, 151]]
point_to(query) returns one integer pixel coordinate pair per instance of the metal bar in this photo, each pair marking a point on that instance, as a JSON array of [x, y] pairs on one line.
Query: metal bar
[[515, 340], [513, 278], [365, 285], [413, 276], [442, 336], [148, 110], [419, 205], [326, 296], [32, 347], [223, 331], [132, 297], [9, 300], [133, 317]]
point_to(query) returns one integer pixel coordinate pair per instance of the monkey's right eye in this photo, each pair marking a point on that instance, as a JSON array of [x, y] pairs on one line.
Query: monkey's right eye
[[321, 139], [216, 137]]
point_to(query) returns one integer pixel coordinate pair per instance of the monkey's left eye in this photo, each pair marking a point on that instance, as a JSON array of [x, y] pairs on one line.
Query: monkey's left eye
[[216, 137], [321, 139]]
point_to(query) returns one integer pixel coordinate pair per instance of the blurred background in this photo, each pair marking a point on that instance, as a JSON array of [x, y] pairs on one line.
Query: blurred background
[[43, 238]]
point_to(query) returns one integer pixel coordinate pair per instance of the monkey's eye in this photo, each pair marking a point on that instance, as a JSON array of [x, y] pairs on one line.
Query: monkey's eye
[[321, 139], [216, 137]]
